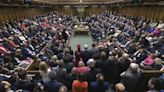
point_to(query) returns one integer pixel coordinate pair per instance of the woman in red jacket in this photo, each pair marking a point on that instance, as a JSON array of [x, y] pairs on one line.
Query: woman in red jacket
[[80, 85]]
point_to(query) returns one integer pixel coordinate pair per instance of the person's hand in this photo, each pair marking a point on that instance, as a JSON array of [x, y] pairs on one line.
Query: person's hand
[[162, 69]]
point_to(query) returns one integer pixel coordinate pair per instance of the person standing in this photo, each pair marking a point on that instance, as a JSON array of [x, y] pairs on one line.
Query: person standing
[[80, 85], [131, 77]]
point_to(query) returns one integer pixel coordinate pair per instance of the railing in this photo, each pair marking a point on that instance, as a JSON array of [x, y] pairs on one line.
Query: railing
[[33, 64], [42, 51], [35, 72]]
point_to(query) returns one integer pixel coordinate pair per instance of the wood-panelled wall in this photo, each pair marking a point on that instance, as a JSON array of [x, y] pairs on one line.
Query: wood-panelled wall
[[151, 12], [66, 10], [95, 10], [13, 13]]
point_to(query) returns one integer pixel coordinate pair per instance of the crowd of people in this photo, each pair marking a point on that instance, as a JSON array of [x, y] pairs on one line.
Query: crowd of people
[[123, 47], [24, 41], [135, 44]]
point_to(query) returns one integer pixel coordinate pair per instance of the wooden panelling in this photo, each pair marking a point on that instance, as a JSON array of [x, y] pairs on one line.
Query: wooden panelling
[[161, 15], [151, 12], [95, 10], [13, 13]]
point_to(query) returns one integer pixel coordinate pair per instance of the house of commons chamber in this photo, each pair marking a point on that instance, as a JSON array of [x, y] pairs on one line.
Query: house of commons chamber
[[81, 45]]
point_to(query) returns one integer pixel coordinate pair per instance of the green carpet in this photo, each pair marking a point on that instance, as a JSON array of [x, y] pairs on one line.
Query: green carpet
[[82, 40]]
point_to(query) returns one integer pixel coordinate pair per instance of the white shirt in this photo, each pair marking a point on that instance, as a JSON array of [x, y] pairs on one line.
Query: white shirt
[[45, 76]]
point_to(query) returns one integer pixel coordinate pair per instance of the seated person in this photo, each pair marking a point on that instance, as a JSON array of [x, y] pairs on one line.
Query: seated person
[[24, 81], [150, 63]]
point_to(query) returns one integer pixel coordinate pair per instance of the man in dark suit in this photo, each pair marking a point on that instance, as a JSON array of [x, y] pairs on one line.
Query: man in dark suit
[[53, 85], [7, 45], [24, 83], [85, 54], [93, 50], [99, 85], [5, 33]]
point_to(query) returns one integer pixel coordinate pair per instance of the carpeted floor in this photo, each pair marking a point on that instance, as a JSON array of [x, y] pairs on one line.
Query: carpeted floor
[[82, 39]]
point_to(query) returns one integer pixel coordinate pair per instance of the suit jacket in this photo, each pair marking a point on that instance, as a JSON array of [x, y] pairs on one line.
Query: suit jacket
[[52, 86], [86, 55], [97, 87], [8, 46]]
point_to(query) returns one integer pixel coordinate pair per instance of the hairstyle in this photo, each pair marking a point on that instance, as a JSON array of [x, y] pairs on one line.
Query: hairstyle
[[155, 83], [103, 55], [60, 63], [85, 46], [120, 87], [81, 64], [67, 50], [133, 67], [95, 56], [43, 66], [91, 63], [52, 75], [111, 59], [93, 45], [18, 51], [54, 58], [13, 78], [63, 89], [5, 86], [22, 74], [100, 77]]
